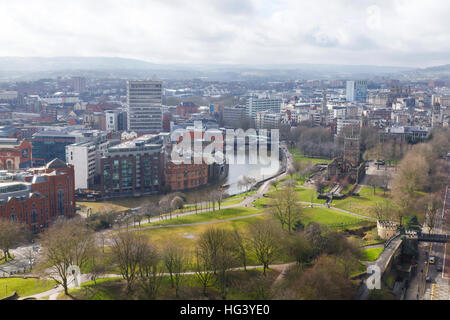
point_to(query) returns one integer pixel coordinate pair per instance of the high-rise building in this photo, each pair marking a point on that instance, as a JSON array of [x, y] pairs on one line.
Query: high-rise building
[[79, 84], [255, 105], [356, 91], [144, 103]]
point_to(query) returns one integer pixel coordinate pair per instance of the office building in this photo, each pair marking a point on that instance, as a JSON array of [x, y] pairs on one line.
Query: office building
[[356, 91], [133, 168], [144, 103], [255, 105]]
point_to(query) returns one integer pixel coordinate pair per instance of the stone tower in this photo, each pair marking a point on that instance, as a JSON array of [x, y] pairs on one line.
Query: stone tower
[[352, 150]]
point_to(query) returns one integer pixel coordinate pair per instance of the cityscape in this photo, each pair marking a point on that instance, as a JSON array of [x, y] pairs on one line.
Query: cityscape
[[159, 172]]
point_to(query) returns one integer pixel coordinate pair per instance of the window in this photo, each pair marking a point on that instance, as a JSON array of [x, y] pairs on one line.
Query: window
[[60, 208]]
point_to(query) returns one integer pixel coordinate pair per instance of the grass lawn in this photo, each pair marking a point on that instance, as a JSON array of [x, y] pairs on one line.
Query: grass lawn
[[24, 287], [187, 236], [362, 204], [371, 254], [99, 207], [305, 194], [241, 287], [329, 217], [206, 216], [299, 157]]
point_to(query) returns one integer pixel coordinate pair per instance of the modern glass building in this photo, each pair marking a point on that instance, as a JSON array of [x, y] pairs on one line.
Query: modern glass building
[[49, 145], [356, 91]]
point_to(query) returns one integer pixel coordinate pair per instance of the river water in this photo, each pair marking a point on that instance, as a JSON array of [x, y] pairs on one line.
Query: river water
[[257, 171]]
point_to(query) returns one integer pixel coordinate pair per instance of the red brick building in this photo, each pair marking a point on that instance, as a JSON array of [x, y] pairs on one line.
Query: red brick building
[[14, 154], [186, 108], [185, 177], [38, 196]]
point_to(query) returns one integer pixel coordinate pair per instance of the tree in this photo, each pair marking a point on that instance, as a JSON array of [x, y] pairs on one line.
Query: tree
[[411, 177], [265, 240], [128, 249], [210, 242], [383, 210], [327, 280], [67, 243], [150, 274], [246, 182], [203, 270], [375, 182], [301, 249], [11, 233], [319, 184], [175, 261], [240, 248], [434, 205], [164, 204], [98, 265], [285, 208], [412, 223], [176, 203]]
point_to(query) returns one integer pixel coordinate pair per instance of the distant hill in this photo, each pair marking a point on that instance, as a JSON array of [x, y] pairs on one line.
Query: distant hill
[[35, 67], [38, 64], [431, 73]]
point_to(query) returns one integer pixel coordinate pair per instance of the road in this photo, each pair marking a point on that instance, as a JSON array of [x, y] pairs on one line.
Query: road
[[438, 286], [23, 258]]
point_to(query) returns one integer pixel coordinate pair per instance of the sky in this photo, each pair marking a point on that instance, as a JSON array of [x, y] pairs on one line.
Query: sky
[[413, 33]]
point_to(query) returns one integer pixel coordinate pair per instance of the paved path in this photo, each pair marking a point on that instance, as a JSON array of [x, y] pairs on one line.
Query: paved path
[[55, 292], [196, 224]]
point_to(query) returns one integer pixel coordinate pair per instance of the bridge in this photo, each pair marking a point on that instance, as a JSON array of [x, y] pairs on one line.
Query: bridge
[[427, 237]]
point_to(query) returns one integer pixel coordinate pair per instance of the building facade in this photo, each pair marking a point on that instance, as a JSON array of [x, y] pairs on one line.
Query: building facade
[[15, 154], [133, 168], [144, 103], [356, 91], [38, 196], [255, 105], [180, 177]]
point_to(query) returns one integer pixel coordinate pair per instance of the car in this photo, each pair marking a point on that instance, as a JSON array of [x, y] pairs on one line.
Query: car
[[428, 279], [432, 260]]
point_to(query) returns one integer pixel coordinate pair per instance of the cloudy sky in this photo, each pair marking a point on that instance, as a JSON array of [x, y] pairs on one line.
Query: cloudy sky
[[372, 32]]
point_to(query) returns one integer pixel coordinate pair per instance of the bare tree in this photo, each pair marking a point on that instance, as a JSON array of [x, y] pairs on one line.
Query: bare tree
[[285, 208], [434, 205], [66, 244], [164, 204], [176, 203], [10, 234], [128, 249], [203, 270], [383, 210], [150, 272], [246, 182], [265, 238], [175, 261], [210, 242], [240, 248]]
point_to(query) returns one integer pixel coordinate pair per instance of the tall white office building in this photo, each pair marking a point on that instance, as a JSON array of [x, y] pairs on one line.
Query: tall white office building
[[144, 106], [356, 91], [255, 105]]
